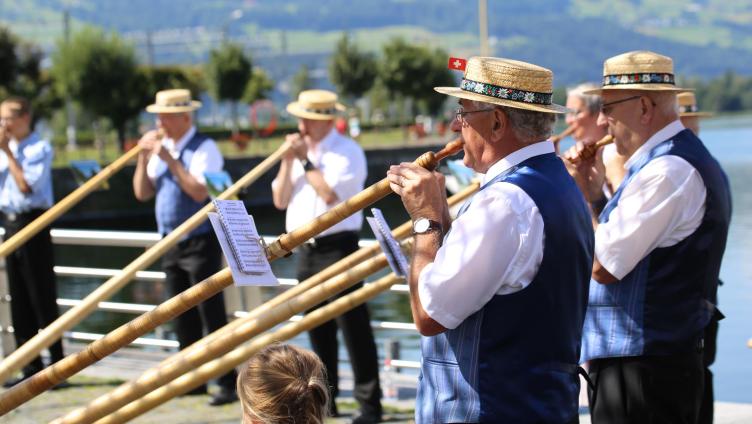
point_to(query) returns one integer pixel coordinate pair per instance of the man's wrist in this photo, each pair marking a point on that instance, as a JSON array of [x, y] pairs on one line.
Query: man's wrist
[[598, 205], [307, 165]]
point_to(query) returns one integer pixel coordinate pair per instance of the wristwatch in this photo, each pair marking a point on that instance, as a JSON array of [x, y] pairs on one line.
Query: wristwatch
[[424, 225], [307, 165]]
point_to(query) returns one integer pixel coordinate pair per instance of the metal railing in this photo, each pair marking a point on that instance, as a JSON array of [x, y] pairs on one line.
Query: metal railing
[[143, 240]]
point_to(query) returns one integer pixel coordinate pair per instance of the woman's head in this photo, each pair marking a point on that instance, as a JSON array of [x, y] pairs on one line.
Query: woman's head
[[283, 384]]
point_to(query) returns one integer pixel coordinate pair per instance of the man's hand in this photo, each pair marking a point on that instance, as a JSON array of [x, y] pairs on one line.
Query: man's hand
[[151, 143], [589, 173], [421, 191], [298, 146], [4, 139]]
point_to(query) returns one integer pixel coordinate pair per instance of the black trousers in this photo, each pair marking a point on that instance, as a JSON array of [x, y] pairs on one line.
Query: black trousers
[[190, 262], [647, 389], [33, 288], [708, 357], [355, 325]]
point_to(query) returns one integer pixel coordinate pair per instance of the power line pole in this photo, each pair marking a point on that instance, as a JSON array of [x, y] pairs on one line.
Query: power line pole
[[483, 26], [70, 129]]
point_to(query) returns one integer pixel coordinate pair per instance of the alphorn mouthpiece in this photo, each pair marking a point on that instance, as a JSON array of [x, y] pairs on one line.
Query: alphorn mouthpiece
[[430, 160], [558, 137], [592, 149]]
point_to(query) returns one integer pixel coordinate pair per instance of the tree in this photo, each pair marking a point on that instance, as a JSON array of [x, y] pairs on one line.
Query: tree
[[21, 75], [352, 72], [100, 71], [411, 72], [228, 72], [300, 81], [259, 86]]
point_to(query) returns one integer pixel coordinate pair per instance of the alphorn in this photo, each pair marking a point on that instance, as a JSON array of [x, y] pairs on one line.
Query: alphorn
[[340, 276], [558, 137], [236, 357], [64, 205], [590, 150], [175, 306], [29, 350]]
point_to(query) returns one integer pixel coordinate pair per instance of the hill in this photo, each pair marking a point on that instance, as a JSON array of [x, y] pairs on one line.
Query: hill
[[572, 37]]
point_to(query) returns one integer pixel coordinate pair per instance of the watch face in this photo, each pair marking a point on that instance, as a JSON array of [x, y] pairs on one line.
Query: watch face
[[421, 225]]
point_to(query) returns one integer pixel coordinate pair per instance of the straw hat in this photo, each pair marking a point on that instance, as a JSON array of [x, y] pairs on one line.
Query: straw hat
[[638, 70], [688, 106], [508, 83], [173, 101], [320, 105]]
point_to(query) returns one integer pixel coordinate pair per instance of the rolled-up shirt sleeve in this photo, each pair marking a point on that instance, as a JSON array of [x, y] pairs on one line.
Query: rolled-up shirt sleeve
[[494, 248], [37, 166], [662, 205], [207, 158]]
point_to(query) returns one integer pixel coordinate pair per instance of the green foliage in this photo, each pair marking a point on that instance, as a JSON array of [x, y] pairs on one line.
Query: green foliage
[[228, 71], [175, 76], [352, 72], [99, 70], [411, 71], [20, 74], [728, 93], [259, 86], [300, 81]]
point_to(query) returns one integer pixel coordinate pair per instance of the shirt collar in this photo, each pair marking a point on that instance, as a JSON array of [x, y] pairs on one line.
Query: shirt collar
[[662, 135], [184, 139], [517, 157], [327, 142]]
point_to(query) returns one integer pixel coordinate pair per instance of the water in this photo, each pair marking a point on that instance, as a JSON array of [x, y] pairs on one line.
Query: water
[[730, 141]]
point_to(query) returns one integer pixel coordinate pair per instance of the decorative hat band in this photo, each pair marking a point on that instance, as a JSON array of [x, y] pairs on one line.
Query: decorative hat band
[[688, 109], [327, 111], [642, 78], [176, 104], [506, 93]]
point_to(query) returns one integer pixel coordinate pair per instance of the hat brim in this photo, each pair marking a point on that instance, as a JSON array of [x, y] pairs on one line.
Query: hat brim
[[462, 94], [295, 109], [695, 114], [640, 87], [173, 109]]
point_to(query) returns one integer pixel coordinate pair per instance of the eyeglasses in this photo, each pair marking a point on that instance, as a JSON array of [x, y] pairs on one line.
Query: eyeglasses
[[607, 107], [460, 114]]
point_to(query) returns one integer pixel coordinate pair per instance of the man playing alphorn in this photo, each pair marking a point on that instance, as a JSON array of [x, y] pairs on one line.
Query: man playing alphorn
[[321, 169], [172, 169], [658, 249], [25, 193], [500, 296]]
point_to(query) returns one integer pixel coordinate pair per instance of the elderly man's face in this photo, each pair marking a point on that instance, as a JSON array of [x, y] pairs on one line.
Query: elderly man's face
[[585, 124], [175, 125], [621, 111], [473, 123], [15, 124]]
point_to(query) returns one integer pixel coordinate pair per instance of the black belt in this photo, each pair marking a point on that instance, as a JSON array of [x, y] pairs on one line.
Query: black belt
[[332, 239], [29, 216]]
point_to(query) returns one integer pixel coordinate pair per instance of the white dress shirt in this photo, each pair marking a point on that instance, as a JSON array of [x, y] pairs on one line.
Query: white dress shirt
[[662, 205], [494, 248], [342, 162], [207, 158], [35, 155]]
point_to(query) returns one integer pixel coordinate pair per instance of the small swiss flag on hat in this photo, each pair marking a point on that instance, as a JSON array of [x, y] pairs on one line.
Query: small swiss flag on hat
[[457, 64]]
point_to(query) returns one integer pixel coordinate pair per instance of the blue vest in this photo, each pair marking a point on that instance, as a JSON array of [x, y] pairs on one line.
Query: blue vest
[[172, 205], [515, 360], [662, 306]]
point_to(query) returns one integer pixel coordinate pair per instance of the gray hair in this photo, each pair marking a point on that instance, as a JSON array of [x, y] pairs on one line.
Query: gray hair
[[592, 101], [665, 101], [528, 125]]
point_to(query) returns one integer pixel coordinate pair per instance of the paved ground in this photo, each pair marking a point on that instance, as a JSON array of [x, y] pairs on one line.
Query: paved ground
[[106, 375]]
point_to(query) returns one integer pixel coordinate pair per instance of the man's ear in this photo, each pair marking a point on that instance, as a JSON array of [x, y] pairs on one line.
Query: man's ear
[[647, 109], [499, 124]]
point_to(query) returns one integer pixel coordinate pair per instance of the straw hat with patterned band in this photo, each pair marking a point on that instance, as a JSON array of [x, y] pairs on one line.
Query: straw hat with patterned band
[[319, 105], [638, 70], [506, 82], [688, 106], [176, 100]]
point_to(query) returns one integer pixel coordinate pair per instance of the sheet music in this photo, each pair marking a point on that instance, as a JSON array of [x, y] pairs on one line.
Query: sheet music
[[390, 246], [239, 277], [242, 236]]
